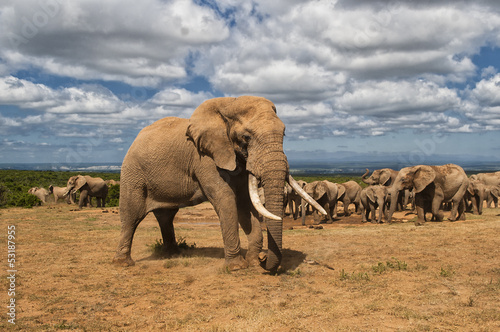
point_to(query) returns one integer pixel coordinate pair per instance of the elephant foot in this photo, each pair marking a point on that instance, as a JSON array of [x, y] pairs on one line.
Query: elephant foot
[[252, 257], [170, 251], [123, 261], [236, 263], [419, 223]]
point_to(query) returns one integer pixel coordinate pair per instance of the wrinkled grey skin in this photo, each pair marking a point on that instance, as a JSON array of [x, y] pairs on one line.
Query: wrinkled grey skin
[[351, 195], [432, 185], [374, 197], [88, 187], [41, 193], [180, 162], [326, 194]]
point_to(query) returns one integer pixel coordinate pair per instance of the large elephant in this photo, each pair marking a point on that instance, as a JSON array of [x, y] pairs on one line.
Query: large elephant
[[60, 193], [351, 195], [222, 153], [490, 180], [326, 194], [432, 185], [41, 193], [89, 187], [373, 197]]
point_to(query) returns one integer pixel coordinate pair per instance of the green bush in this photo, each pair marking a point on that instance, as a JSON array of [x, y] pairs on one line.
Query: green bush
[[113, 198]]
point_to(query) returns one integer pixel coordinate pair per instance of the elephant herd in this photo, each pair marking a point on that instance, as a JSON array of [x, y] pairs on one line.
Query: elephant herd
[[430, 189], [87, 186]]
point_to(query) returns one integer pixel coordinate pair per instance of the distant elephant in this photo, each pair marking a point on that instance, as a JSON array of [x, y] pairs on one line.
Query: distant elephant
[[386, 177], [373, 197], [476, 194], [221, 153], [41, 193], [351, 195], [490, 180], [112, 182], [432, 185], [294, 199], [59, 193], [326, 194], [492, 194], [89, 187]]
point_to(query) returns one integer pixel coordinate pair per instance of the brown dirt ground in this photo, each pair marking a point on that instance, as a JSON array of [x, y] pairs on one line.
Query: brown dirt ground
[[347, 276]]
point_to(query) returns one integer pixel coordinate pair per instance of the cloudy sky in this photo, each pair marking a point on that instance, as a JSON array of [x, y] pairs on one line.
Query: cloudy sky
[[403, 79]]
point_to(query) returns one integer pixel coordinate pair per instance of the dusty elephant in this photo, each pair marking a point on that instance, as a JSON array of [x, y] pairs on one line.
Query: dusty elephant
[[294, 199], [326, 194], [41, 193], [476, 194], [89, 187], [351, 195], [59, 193], [374, 197], [227, 147], [490, 180], [432, 185]]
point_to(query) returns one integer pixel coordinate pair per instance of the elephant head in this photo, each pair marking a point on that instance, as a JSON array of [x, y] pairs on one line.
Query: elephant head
[[378, 195], [75, 183], [416, 177], [245, 135], [379, 176]]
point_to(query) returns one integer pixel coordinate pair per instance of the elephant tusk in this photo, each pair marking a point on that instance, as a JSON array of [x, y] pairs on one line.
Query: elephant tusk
[[254, 197], [304, 195]]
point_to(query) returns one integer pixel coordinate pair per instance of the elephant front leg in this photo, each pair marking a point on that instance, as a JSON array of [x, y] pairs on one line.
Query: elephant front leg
[[84, 196], [420, 207]]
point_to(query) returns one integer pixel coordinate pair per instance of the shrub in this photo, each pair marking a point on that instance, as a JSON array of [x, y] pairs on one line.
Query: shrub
[[113, 198]]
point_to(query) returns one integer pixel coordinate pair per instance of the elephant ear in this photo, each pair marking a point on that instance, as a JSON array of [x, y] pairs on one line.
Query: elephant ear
[[80, 182], [470, 188], [209, 132], [495, 191], [371, 194], [340, 191], [384, 178], [321, 190], [423, 176]]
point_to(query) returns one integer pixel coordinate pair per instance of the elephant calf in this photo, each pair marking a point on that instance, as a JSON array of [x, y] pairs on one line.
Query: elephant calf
[[41, 193], [59, 193], [374, 197]]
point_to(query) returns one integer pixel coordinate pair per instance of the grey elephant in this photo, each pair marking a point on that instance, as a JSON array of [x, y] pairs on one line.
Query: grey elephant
[[41, 193], [222, 153], [112, 182], [373, 197], [490, 180], [474, 197], [386, 177], [59, 193], [294, 199], [492, 194], [351, 195], [326, 194], [89, 187], [432, 185]]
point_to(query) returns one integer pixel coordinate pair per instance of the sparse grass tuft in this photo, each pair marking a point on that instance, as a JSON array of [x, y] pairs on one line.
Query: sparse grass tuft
[[360, 276], [447, 272]]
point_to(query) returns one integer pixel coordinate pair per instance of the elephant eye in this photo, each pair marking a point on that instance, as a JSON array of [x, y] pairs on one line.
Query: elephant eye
[[246, 138]]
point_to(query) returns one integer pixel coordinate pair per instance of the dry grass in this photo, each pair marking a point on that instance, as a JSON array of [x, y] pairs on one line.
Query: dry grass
[[442, 276]]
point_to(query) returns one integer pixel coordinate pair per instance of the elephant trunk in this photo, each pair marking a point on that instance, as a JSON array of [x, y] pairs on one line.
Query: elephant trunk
[[365, 180], [394, 202], [270, 166], [380, 202]]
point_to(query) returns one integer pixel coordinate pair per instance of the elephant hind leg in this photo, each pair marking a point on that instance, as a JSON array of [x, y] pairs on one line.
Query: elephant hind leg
[[132, 212], [165, 218]]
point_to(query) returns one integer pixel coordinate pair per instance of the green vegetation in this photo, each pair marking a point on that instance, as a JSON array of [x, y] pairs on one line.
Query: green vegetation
[[14, 186]]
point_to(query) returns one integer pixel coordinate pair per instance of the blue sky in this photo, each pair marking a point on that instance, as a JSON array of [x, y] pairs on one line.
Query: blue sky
[[401, 80]]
